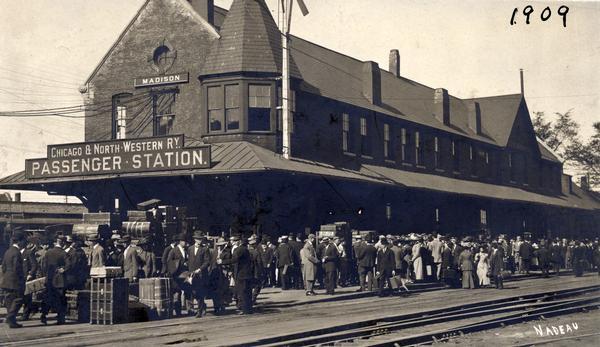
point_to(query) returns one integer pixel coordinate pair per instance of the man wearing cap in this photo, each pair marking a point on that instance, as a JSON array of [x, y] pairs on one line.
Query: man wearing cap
[[285, 258], [53, 268], [147, 259], [129, 260], [309, 264], [97, 255], [176, 265], [330, 265], [198, 263], [257, 268], [242, 273], [76, 267], [13, 279]]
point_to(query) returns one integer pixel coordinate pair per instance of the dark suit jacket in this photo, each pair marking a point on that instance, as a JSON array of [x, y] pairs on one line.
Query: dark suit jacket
[[76, 268], [543, 255], [556, 254], [497, 262], [366, 255], [284, 255], [201, 260], [164, 258], [296, 247], [447, 258], [56, 258], [386, 262], [12, 269], [257, 264], [266, 256], [242, 263], [176, 262], [456, 254], [525, 251], [331, 257]]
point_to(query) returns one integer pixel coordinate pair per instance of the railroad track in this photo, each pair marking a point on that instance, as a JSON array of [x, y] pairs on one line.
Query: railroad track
[[446, 323]]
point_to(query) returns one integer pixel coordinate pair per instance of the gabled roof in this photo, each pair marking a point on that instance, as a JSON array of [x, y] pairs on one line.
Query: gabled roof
[[183, 3], [338, 76], [250, 42], [242, 157]]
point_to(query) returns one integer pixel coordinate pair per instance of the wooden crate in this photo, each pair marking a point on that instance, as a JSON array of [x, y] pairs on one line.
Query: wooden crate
[[78, 305], [106, 272], [155, 293], [36, 285], [109, 299]]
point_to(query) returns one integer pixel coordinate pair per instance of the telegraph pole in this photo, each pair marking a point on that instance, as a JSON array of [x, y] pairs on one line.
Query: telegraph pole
[[287, 6]]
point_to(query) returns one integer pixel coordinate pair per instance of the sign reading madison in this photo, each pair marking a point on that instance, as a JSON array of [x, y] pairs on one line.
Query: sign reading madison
[[161, 80], [118, 156]]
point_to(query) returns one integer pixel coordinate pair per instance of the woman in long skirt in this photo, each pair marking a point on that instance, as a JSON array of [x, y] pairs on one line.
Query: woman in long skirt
[[465, 261], [482, 267]]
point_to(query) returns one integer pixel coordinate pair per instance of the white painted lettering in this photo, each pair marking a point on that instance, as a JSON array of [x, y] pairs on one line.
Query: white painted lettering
[[136, 159], [538, 330]]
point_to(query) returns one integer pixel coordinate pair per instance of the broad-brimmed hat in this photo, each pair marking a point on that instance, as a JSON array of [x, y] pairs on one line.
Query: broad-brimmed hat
[[252, 241], [126, 238], [179, 237], [221, 241], [115, 236], [234, 238], [93, 238], [311, 236], [325, 239], [198, 235]]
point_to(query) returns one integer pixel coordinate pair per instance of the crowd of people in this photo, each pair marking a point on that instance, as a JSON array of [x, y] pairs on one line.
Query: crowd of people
[[238, 268]]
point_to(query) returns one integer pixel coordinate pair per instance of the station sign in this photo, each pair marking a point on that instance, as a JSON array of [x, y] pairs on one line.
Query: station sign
[[151, 154], [161, 80]]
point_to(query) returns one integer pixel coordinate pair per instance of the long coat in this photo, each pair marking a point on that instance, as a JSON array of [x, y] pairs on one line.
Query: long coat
[[97, 257], [366, 255], [284, 255], [465, 260], [131, 264], [330, 258], [76, 269], [176, 262], [12, 269], [56, 258], [496, 262], [309, 262]]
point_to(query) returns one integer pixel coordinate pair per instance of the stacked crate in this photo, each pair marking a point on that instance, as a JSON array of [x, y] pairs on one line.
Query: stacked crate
[[155, 293], [78, 305], [109, 299]]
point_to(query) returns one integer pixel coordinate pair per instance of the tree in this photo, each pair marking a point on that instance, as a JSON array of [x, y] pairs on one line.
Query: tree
[[561, 135]]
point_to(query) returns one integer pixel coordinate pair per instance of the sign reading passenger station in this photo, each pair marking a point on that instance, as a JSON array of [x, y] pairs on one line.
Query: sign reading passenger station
[[117, 157], [161, 80]]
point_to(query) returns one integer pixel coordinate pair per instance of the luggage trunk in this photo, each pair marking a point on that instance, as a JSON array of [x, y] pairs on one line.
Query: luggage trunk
[[155, 293], [109, 300], [78, 305]]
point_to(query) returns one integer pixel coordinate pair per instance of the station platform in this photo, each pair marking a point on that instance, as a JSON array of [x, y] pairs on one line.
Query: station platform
[[278, 313]]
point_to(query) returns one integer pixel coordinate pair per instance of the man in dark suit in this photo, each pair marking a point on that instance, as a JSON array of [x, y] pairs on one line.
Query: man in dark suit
[[285, 259], [526, 253], [198, 263], [295, 274], [497, 265], [330, 265], [242, 273], [76, 268], [257, 268], [177, 264], [544, 258], [449, 273], [165, 255], [365, 256], [266, 257], [53, 268], [129, 259], [30, 270], [386, 263], [556, 254], [13, 279]]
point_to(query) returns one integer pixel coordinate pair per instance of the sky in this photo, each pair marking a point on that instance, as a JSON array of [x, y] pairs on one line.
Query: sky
[[468, 47]]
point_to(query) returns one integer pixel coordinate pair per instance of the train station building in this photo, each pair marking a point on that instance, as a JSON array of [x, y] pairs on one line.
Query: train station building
[[185, 107]]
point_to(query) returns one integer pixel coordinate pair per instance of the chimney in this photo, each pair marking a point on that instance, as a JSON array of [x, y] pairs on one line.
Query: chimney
[[585, 183], [522, 82], [395, 62], [205, 8], [17, 197], [475, 117], [441, 105], [371, 82]]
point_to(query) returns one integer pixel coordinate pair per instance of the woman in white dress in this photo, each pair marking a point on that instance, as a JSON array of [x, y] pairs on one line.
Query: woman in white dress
[[482, 267], [417, 261]]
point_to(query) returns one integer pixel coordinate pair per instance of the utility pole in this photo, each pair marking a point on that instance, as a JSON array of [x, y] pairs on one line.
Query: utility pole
[[287, 6]]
